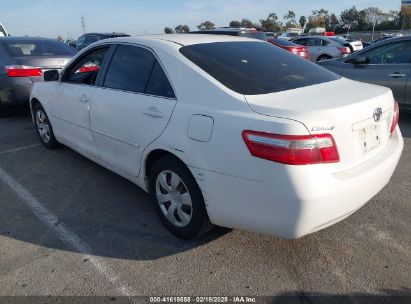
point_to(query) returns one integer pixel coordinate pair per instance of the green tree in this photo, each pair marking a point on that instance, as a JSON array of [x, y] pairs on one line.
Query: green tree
[[182, 29], [334, 23], [349, 19], [270, 24], [247, 23], [290, 20], [235, 23], [168, 30], [303, 21], [319, 18], [206, 25]]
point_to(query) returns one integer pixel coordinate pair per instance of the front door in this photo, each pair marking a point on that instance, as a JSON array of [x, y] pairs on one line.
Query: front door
[[72, 101]]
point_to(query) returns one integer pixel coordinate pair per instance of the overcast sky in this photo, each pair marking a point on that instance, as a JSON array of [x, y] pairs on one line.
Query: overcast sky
[[50, 18]]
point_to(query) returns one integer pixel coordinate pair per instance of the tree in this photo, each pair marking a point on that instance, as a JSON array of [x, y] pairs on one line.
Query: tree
[[235, 24], [247, 23], [290, 19], [319, 18], [168, 30], [271, 23], [334, 23], [303, 21], [182, 28], [59, 38], [349, 19], [405, 17], [207, 25]]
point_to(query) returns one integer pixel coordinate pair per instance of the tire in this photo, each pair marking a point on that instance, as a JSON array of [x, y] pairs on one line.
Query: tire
[[175, 193], [323, 57], [43, 127]]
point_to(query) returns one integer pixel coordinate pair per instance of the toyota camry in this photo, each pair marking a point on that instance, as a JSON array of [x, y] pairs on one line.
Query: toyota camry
[[224, 130]]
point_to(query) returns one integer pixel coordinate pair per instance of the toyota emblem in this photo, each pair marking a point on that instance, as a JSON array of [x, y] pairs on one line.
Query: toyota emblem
[[377, 114]]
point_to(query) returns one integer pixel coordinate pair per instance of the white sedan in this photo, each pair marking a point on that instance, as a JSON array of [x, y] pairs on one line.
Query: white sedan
[[224, 130]]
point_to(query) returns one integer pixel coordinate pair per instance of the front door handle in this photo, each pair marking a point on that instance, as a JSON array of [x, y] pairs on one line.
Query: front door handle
[[84, 98], [153, 112], [397, 75]]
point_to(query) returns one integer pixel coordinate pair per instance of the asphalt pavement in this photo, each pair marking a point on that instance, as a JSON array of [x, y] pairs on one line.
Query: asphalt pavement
[[69, 227]]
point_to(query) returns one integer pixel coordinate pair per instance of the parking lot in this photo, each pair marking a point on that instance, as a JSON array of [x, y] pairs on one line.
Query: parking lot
[[70, 227]]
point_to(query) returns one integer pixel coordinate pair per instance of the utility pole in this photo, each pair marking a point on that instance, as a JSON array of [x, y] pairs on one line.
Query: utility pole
[[83, 24]]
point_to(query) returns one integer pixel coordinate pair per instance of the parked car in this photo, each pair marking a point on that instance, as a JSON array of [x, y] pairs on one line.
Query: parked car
[[23, 61], [241, 32], [354, 45], [3, 32], [322, 48], [296, 49], [387, 63], [224, 130], [87, 39]]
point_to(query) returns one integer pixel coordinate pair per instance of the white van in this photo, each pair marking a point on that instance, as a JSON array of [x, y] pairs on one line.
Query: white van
[[3, 31]]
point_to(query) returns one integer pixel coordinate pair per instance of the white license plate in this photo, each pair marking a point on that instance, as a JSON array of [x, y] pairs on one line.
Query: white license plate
[[370, 137]]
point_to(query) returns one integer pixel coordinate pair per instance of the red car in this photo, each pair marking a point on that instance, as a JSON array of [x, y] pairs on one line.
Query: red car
[[296, 49]]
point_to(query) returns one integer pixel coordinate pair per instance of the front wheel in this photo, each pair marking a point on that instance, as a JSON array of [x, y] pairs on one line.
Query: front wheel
[[178, 199], [43, 127]]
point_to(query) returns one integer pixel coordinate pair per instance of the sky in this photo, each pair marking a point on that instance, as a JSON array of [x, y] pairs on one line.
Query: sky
[[51, 18]]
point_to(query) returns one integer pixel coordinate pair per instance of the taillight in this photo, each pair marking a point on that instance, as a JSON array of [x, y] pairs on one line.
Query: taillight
[[395, 117], [344, 50], [292, 149], [22, 71]]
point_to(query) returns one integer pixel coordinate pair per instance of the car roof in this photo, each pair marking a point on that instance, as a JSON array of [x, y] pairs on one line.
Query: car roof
[[393, 39], [180, 39], [26, 38], [107, 34]]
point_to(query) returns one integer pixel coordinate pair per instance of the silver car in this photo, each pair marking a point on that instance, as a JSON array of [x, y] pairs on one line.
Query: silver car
[[322, 48], [387, 63], [22, 63]]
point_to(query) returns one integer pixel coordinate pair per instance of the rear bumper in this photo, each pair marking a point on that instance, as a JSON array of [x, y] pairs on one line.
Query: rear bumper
[[293, 201], [15, 92]]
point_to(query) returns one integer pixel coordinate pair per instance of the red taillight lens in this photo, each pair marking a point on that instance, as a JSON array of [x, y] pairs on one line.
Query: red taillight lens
[[292, 149], [395, 117], [344, 50], [22, 71]]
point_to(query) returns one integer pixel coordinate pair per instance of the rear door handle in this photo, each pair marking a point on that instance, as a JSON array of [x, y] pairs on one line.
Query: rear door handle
[[84, 98], [153, 112], [397, 75]]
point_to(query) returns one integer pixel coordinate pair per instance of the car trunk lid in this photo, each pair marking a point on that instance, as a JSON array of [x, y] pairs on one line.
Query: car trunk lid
[[343, 108], [45, 63]]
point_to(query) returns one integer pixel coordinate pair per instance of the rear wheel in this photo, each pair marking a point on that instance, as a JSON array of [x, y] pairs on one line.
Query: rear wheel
[[43, 127], [324, 57], [178, 199]]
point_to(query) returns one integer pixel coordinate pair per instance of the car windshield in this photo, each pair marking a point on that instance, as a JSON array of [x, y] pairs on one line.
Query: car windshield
[[26, 48], [253, 68]]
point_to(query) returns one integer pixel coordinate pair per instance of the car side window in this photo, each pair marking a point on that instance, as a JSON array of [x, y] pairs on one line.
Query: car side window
[[324, 42], [313, 42], [87, 69], [135, 69], [391, 53], [301, 41], [158, 83]]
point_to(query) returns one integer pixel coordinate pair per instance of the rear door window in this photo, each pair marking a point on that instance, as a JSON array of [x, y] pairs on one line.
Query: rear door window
[[252, 68], [135, 69]]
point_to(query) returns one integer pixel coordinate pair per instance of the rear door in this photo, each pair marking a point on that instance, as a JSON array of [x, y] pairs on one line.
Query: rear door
[[389, 65], [131, 107]]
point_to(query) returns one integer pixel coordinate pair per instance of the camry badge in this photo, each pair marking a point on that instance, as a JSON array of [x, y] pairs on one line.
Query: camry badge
[[377, 114]]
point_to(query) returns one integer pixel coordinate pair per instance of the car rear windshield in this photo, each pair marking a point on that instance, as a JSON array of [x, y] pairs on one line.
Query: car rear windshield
[[27, 48], [254, 35], [283, 42], [339, 40], [253, 68]]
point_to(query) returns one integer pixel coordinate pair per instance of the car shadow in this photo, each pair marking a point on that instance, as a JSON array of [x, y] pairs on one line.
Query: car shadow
[[405, 124]]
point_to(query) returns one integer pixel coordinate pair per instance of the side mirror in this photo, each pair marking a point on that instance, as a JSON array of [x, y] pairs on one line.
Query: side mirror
[[52, 75], [358, 60]]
